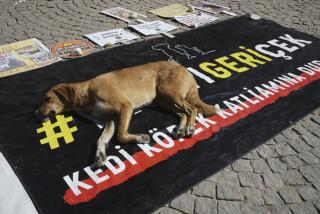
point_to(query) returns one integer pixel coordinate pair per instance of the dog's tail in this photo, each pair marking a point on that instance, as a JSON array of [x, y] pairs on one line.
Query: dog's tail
[[194, 99]]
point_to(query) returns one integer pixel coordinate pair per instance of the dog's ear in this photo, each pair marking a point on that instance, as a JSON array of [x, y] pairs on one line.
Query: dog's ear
[[64, 93]]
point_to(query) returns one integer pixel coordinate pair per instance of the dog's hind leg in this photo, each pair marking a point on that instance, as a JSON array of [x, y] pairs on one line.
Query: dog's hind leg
[[126, 111], [194, 99], [181, 130], [191, 121], [183, 109], [190, 111], [102, 143]]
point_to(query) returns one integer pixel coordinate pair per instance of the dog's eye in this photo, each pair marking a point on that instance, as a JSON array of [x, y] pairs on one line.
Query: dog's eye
[[47, 99]]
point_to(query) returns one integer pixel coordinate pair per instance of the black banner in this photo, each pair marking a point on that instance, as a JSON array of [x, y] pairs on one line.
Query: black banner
[[264, 77]]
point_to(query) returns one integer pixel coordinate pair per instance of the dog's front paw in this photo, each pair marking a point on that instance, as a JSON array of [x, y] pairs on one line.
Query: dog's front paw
[[143, 138], [179, 133], [190, 131], [100, 158]]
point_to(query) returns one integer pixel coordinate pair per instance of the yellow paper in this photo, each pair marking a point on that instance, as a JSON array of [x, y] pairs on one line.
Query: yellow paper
[[23, 56], [171, 11]]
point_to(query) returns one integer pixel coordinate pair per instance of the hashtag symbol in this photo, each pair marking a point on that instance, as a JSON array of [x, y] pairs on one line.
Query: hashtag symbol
[[52, 137]]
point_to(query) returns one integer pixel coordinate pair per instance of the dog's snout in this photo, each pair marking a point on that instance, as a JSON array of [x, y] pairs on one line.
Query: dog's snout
[[51, 113], [41, 116], [38, 115]]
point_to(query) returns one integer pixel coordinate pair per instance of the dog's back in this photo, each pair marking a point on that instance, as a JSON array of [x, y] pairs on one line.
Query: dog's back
[[142, 84]]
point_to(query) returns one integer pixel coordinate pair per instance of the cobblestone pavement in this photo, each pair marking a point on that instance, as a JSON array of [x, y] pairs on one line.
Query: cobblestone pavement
[[281, 176]]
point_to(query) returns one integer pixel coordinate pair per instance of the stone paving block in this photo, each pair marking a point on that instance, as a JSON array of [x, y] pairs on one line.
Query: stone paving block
[[300, 129], [279, 138], [205, 188], [316, 203], [289, 195], [260, 166], [253, 196], [253, 209], [229, 192], [309, 158], [292, 162], [311, 173], [284, 150], [276, 165], [307, 193], [303, 208], [316, 151], [311, 140], [279, 209], [184, 203], [311, 126], [228, 207], [316, 184], [299, 146], [316, 119], [253, 155], [292, 177], [205, 206], [271, 197], [250, 179], [242, 165], [227, 169], [266, 151], [290, 134], [273, 180], [225, 177], [270, 142]]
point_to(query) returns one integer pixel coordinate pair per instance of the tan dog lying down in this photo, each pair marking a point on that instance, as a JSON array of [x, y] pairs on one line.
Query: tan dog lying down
[[113, 96]]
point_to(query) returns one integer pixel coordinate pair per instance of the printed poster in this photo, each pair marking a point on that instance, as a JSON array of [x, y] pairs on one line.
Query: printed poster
[[212, 8], [123, 14], [23, 56], [195, 20], [171, 11], [111, 37], [153, 28]]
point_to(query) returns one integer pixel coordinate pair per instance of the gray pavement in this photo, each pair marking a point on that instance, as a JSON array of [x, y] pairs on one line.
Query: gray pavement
[[281, 176]]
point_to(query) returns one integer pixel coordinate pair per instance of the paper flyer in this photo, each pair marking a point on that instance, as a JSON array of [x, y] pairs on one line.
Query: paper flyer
[[23, 56], [123, 14], [153, 28], [212, 8], [171, 11], [111, 37], [196, 20]]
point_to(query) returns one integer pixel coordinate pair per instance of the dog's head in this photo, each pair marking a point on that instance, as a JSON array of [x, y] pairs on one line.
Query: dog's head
[[56, 101]]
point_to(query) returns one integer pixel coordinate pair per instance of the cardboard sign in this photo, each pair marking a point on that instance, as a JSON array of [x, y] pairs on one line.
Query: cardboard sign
[[111, 37], [72, 48], [24, 56], [123, 14], [170, 11], [195, 20], [153, 28]]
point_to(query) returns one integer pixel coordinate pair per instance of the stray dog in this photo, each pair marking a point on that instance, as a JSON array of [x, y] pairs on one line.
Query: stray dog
[[113, 96]]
